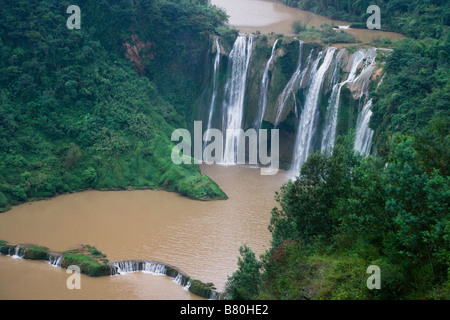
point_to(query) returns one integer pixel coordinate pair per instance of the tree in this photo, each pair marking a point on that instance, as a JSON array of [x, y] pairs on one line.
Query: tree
[[244, 283]]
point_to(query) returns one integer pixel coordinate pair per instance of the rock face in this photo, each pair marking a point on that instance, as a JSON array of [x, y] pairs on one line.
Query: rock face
[[138, 51]]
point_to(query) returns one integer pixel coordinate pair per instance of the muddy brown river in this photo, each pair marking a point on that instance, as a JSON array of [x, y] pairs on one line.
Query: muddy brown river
[[272, 16], [200, 238]]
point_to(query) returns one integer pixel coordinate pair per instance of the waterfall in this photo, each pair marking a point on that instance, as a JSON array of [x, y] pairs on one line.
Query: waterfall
[[155, 268], [239, 61], [308, 118], [55, 260], [265, 87], [214, 93], [139, 266], [360, 86], [214, 295], [364, 135], [19, 252], [293, 84], [181, 280], [329, 133]]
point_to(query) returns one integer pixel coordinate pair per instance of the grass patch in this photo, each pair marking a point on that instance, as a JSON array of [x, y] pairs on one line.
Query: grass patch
[[33, 252], [201, 289], [91, 261]]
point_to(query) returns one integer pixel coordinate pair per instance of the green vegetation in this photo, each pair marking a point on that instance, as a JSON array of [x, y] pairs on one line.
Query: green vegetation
[[416, 18], [415, 90], [90, 261], [75, 114], [201, 289], [33, 252], [245, 282], [326, 34], [346, 212]]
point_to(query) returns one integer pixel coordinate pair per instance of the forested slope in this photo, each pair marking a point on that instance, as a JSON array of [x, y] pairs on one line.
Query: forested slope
[[415, 18], [75, 113]]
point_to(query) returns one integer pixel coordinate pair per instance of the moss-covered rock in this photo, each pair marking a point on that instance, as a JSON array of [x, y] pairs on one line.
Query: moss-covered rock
[[91, 261], [33, 252], [6, 248], [201, 289]]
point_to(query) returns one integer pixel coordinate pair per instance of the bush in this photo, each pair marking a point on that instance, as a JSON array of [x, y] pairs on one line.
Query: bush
[[36, 253], [298, 27], [201, 289]]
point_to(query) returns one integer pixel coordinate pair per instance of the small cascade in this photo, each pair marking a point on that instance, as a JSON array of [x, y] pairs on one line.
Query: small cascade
[[214, 93], [364, 135], [239, 61], [183, 281], [214, 295], [123, 267], [308, 119], [293, 84], [55, 260], [19, 252], [179, 279], [155, 268], [265, 88]]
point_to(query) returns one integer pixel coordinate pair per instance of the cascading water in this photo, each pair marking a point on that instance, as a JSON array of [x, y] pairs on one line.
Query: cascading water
[[308, 120], [329, 132], [214, 295], [293, 84], [239, 61], [265, 87], [364, 135], [314, 132], [19, 252], [155, 268], [214, 93], [55, 260]]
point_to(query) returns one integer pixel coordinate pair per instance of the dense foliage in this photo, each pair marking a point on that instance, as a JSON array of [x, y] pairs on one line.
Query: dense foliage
[[415, 18], [346, 212], [74, 114], [416, 88]]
